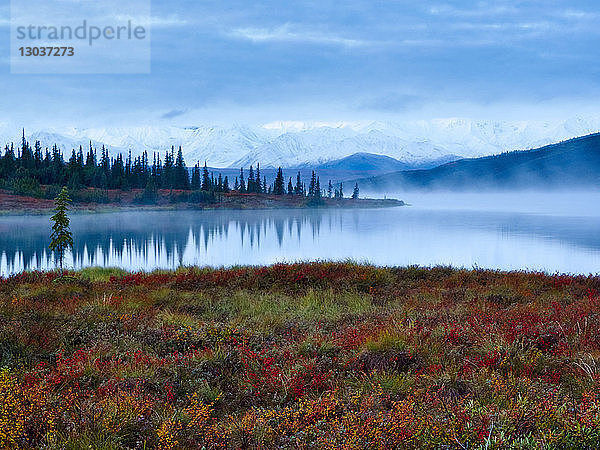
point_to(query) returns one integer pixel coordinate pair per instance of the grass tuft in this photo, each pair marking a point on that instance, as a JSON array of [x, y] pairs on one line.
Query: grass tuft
[[319, 355]]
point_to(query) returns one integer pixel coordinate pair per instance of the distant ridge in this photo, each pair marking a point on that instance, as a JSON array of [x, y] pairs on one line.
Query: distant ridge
[[379, 164], [365, 162], [420, 144], [574, 163], [358, 165]]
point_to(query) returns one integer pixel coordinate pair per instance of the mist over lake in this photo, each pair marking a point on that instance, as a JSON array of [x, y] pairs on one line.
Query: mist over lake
[[525, 231]]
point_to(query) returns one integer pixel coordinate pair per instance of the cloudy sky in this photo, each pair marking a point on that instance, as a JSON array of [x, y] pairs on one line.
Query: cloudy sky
[[223, 61]]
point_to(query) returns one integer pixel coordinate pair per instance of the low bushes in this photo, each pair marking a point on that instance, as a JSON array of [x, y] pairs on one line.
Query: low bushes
[[303, 355]]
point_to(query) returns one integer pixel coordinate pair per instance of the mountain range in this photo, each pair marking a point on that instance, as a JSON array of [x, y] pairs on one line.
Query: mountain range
[[573, 164], [412, 144]]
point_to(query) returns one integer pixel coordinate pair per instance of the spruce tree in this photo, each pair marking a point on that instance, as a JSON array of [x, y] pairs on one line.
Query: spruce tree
[[220, 183], [37, 155], [356, 192], [61, 238], [167, 176], [279, 187], [330, 189], [206, 184], [258, 182], [9, 160], [117, 174], [298, 190], [26, 153], [251, 186], [195, 185], [104, 162], [242, 183], [313, 185], [290, 189], [226, 188], [128, 169], [182, 180], [159, 173]]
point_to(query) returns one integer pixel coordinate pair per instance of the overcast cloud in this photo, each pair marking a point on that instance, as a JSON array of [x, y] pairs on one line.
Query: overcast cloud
[[243, 61]]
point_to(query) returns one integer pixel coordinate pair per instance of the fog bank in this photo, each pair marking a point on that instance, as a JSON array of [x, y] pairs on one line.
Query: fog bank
[[562, 203]]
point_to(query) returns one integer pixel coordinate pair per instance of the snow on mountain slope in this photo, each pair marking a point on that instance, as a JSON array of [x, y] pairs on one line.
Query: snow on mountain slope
[[413, 142], [323, 145], [289, 144], [216, 145]]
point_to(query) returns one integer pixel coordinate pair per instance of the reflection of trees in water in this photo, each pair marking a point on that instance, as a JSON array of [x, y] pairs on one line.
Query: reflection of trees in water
[[149, 237], [161, 239]]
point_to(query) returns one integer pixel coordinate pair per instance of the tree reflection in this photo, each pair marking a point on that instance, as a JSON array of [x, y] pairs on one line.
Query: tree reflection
[[148, 239]]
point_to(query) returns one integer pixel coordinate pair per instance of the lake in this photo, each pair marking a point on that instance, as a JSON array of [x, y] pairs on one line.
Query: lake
[[558, 233]]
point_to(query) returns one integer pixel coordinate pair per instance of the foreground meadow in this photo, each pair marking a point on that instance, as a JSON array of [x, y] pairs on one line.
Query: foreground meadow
[[301, 356]]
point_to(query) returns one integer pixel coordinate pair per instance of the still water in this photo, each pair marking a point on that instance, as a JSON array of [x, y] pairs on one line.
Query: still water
[[429, 234]]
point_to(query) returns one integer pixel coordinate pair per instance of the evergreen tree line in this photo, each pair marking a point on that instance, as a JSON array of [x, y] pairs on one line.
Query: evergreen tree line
[[314, 190], [253, 184], [27, 166], [92, 168]]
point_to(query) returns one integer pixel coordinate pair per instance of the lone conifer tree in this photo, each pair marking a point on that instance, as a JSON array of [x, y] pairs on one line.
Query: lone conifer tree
[[356, 192], [61, 237]]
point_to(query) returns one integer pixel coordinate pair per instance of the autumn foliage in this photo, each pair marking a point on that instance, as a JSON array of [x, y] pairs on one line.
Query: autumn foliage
[[301, 356]]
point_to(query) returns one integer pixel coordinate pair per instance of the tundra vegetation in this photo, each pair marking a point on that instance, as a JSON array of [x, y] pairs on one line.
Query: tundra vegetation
[[318, 355]]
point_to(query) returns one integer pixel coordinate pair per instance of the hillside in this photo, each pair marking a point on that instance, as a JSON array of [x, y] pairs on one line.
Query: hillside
[[369, 162], [570, 164], [358, 165]]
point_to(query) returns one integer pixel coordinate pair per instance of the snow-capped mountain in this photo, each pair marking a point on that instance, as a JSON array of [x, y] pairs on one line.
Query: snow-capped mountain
[[290, 144]]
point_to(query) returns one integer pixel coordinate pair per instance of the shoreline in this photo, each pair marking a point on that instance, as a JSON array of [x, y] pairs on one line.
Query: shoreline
[[12, 204]]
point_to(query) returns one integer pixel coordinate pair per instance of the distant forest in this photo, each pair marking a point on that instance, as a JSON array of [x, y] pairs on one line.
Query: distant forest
[[25, 169]]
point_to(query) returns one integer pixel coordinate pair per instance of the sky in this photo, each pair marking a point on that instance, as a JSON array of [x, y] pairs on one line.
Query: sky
[[242, 61]]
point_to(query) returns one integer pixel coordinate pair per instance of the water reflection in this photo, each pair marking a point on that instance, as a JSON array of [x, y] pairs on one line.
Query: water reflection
[[399, 236], [148, 240]]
